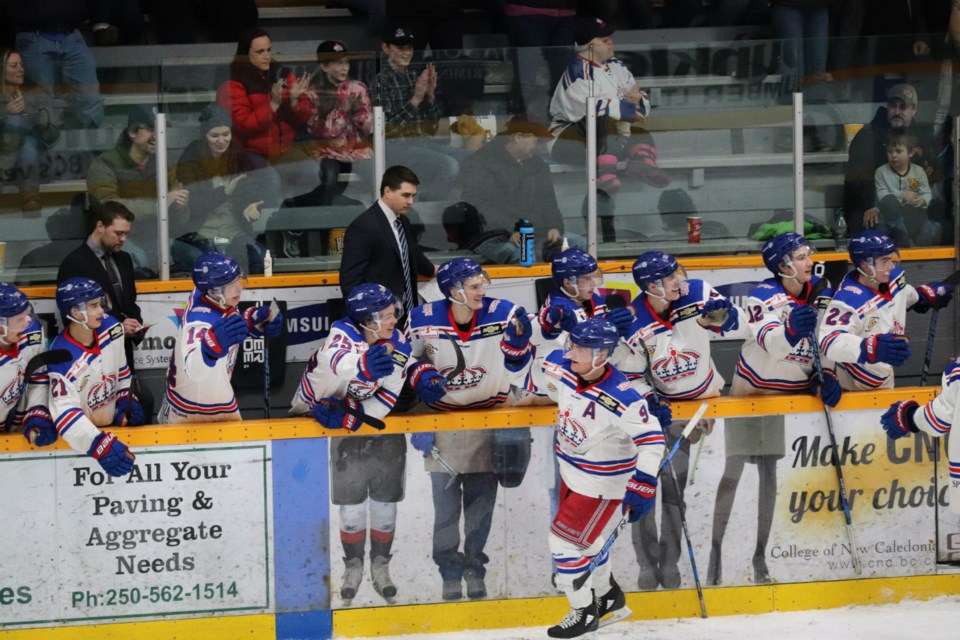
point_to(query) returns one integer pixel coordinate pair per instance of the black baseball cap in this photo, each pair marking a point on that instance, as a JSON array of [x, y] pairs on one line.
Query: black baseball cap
[[399, 34], [142, 115], [587, 29], [331, 49]]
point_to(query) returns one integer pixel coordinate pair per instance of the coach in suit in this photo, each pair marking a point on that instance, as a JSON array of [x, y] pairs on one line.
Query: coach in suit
[[379, 246]]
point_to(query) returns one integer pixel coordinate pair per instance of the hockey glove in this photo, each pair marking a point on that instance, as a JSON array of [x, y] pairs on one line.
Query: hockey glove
[[933, 295], [831, 390], [799, 324], [329, 412], [217, 340], [423, 442], [718, 315], [375, 363], [114, 456], [884, 347], [136, 416], [39, 431], [898, 419], [429, 385], [256, 316], [561, 315], [660, 409], [516, 341], [622, 319], [641, 495]]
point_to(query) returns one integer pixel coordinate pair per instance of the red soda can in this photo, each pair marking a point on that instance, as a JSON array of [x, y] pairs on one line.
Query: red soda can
[[693, 229]]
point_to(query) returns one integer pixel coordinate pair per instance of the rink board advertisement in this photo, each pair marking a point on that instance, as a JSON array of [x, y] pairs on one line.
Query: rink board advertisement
[[189, 531]]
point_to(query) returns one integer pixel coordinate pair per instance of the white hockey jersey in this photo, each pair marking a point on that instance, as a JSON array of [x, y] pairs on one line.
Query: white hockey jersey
[[485, 382], [937, 418], [84, 391], [857, 312], [20, 397], [604, 431], [609, 83], [767, 363], [198, 387], [677, 349], [332, 372]]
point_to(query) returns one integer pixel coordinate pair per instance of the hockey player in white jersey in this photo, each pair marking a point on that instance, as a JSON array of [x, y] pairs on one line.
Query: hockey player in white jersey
[[608, 446], [198, 377], [936, 418], [92, 389], [865, 322], [674, 320], [777, 358], [494, 338], [362, 363], [23, 402]]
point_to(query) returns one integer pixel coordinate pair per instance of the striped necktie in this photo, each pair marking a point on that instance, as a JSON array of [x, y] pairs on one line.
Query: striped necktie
[[405, 259]]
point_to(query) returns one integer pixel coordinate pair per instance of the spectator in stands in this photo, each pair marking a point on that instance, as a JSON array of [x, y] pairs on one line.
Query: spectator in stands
[[868, 151], [411, 109], [903, 195], [532, 24], [226, 192], [102, 259], [897, 35], [437, 23], [116, 21], [267, 104], [56, 56], [804, 27], [25, 129], [466, 228], [506, 180], [341, 122], [128, 174], [620, 103]]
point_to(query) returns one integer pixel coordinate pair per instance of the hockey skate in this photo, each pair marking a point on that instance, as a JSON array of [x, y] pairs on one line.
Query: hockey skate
[[380, 575], [612, 606], [352, 576], [577, 623]]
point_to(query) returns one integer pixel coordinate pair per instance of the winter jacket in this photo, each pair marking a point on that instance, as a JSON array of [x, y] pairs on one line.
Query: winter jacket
[[341, 135]]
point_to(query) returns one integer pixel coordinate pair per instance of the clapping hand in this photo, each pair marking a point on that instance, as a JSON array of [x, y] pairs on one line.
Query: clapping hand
[[299, 87]]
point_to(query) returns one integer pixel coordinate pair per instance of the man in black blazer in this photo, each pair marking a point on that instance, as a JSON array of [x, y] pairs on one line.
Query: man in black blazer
[[372, 243], [101, 251]]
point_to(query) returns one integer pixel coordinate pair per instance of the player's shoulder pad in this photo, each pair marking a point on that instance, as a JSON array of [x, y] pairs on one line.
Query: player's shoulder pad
[[852, 293], [76, 352], [578, 69], [697, 291], [429, 314], [348, 329], [555, 366], [33, 335], [617, 385], [951, 375], [110, 329], [766, 290], [495, 310], [898, 281]]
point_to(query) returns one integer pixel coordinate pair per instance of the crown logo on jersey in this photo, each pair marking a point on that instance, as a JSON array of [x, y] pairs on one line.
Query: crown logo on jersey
[[677, 365], [360, 390], [102, 392], [11, 393], [571, 430], [802, 354], [468, 379]]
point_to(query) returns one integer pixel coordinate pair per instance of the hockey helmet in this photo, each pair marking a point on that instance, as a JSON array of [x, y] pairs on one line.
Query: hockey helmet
[[13, 302], [779, 250], [76, 293], [653, 266], [452, 274], [213, 270], [599, 336], [869, 245], [571, 265], [365, 303]]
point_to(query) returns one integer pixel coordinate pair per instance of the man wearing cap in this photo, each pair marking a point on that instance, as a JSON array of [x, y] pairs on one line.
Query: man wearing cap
[[128, 174], [619, 103], [412, 112], [868, 151]]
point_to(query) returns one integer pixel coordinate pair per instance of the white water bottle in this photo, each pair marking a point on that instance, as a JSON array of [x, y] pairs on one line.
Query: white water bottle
[[267, 264]]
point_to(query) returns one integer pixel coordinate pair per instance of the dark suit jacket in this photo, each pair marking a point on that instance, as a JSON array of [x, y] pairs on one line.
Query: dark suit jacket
[[371, 254], [83, 262]]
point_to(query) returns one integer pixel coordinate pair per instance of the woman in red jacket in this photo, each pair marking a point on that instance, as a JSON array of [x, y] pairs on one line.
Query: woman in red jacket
[[266, 108]]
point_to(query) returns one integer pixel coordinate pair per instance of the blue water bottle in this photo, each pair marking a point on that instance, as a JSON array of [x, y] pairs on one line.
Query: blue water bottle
[[527, 257]]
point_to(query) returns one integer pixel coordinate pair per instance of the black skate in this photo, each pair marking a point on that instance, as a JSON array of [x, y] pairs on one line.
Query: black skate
[[612, 606], [577, 623]]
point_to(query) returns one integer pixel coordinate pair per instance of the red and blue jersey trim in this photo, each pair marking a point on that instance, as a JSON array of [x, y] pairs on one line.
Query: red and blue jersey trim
[[186, 406]]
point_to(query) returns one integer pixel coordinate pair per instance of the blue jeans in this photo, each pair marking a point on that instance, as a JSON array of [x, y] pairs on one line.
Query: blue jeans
[[474, 495], [805, 33], [30, 157], [64, 63], [536, 39]]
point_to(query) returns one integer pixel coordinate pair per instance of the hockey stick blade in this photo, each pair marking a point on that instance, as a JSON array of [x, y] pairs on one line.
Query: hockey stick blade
[[57, 356], [376, 423], [461, 363]]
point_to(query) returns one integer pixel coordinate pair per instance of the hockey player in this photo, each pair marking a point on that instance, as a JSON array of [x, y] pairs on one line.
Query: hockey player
[[935, 419], [494, 338], [362, 363], [864, 325], [92, 389], [670, 344], [23, 403], [778, 358], [608, 447], [211, 330]]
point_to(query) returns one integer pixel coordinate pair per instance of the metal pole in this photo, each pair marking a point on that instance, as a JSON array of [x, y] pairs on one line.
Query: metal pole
[[798, 163], [591, 176], [379, 149], [163, 220]]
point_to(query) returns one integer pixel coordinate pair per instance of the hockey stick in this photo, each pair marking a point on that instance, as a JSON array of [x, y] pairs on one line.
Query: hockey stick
[[376, 423], [57, 356], [696, 462], [461, 363], [844, 503], [588, 571]]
